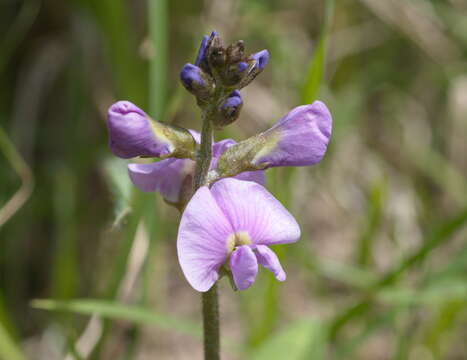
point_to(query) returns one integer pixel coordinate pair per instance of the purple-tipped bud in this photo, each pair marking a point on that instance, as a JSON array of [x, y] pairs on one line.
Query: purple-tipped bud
[[261, 59], [242, 66], [215, 52], [257, 62], [196, 81], [201, 57], [229, 110], [132, 133]]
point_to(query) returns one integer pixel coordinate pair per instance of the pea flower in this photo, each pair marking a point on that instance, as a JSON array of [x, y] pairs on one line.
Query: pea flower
[[231, 224], [172, 178], [132, 133], [300, 138]]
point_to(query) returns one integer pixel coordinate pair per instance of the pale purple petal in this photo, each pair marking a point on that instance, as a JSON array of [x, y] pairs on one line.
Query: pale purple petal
[[165, 176], [252, 209], [130, 133], [269, 260], [244, 267], [202, 240], [300, 138]]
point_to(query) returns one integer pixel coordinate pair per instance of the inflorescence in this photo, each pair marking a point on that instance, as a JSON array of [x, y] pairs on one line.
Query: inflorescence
[[227, 223]]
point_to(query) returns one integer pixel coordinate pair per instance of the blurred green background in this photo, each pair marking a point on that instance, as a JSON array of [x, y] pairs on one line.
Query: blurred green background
[[88, 267]]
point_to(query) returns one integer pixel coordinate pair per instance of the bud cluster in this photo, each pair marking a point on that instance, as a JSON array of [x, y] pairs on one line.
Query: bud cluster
[[219, 73]]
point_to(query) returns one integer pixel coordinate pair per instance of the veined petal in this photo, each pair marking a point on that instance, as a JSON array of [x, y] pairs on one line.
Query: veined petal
[[300, 138], [269, 260], [244, 267], [202, 240], [165, 176], [250, 208]]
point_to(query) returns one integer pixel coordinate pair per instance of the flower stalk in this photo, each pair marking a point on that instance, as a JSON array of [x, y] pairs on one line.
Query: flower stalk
[[210, 302]]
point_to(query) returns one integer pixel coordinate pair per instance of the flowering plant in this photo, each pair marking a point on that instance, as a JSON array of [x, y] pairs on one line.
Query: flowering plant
[[228, 217]]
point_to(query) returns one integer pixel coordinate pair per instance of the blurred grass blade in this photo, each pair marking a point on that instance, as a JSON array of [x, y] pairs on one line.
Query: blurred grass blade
[[23, 171], [9, 350], [120, 185], [318, 62], [440, 235], [116, 311], [18, 30], [294, 343], [158, 24], [452, 290]]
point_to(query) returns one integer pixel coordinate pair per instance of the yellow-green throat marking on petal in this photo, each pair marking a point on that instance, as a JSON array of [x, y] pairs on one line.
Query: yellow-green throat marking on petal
[[237, 239]]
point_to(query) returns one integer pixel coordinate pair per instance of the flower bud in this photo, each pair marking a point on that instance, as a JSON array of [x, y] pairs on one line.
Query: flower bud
[[132, 133], [235, 52], [300, 138], [257, 62], [201, 59], [235, 73], [197, 81], [215, 52], [229, 110]]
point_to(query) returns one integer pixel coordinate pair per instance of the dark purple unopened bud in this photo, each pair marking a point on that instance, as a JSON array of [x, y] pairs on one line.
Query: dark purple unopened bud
[[235, 73], [235, 52], [215, 52], [202, 58], [261, 58], [257, 62], [229, 111], [196, 81]]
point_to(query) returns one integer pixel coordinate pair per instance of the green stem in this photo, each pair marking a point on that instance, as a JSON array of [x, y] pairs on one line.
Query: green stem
[[204, 155], [211, 324], [210, 301]]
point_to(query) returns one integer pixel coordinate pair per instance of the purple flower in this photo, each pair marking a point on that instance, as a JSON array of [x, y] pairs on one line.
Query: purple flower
[[300, 138], [132, 133], [232, 224], [170, 177]]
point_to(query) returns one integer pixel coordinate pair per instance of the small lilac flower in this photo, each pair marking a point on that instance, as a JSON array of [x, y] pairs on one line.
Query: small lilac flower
[[169, 176], [300, 138], [232, 224], [132, 133]]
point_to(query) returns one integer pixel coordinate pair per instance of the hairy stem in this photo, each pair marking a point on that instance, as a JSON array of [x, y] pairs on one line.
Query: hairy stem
[[204, 155], [211, 324], [210, 302]]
